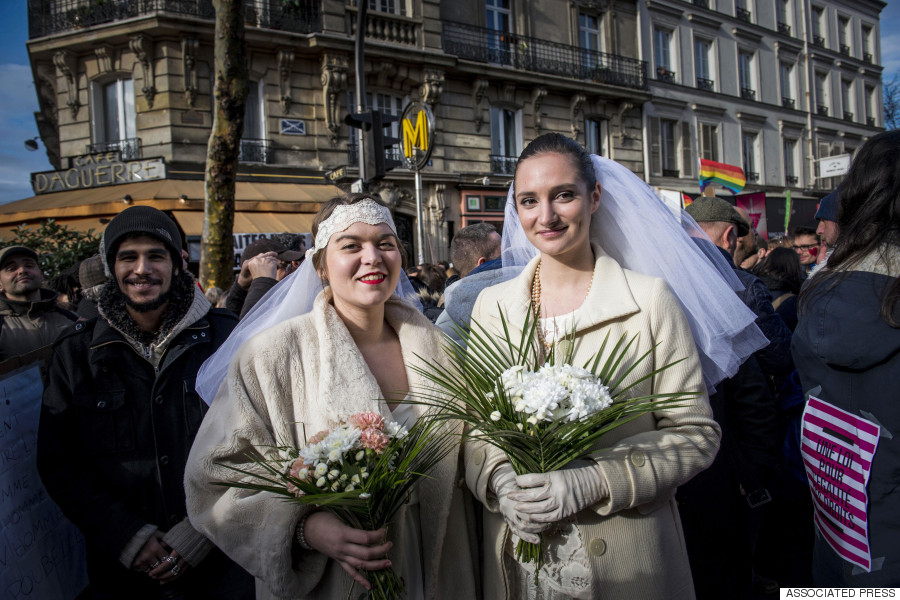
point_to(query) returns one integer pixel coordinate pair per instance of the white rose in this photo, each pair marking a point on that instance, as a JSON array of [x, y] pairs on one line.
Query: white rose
[[321, 482], [495, 416]]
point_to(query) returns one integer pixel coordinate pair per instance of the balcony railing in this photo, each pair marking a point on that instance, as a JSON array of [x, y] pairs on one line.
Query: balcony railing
[[671, 173], [784, 28], [664, 74], [845, 49], [47, 17], [254, 151], [128, 149], [748, 94], [870, 121], [706, 84], [743, 14], [821, 110], [867, 57], [542, 56], [752, 176], [848, 116], [503, 164], [787, 102], [818, 40], [791, 180], [700, 3]]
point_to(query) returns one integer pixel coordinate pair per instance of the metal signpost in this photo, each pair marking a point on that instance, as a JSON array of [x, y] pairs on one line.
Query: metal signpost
[[417, 123]]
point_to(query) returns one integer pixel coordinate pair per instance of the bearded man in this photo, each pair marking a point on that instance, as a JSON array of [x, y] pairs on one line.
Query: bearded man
[[120, 414]]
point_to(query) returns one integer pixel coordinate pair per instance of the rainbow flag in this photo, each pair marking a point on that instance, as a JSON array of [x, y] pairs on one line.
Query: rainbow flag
[[727, 176]]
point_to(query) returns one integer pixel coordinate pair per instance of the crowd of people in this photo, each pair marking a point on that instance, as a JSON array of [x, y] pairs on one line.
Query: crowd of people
[[155, 391]]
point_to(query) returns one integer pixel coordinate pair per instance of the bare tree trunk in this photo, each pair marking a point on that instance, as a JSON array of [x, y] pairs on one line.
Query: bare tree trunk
[[217, 248]]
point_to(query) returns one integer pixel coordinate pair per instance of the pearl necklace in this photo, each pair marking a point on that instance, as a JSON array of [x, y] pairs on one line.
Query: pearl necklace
[[536, 305]]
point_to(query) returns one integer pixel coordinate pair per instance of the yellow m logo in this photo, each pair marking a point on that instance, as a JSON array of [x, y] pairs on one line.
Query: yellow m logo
[[415, 136]]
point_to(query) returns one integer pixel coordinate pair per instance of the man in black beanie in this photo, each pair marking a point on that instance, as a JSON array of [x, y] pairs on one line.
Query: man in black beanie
[[120, 414]]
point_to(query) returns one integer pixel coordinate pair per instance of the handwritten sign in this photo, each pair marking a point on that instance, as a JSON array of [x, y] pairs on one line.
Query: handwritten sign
[[838, 448], [41, 552]]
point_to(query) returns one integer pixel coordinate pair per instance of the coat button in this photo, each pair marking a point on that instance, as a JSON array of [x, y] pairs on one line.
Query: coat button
[[101, 404], [158, 399], [637, 458], [194, 336], [163, 460], [79, 326], [597, 547], [203, 334], [479, 457]]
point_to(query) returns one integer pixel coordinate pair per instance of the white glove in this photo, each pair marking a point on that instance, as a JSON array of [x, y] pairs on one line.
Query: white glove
[[547, 498], [502, 483]]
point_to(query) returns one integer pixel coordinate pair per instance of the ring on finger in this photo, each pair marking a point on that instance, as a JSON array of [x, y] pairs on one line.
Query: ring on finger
[[170, 559], [175, 570], [156, 564]]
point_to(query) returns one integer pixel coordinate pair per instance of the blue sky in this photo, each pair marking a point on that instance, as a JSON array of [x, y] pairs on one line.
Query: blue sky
[[18, 101]]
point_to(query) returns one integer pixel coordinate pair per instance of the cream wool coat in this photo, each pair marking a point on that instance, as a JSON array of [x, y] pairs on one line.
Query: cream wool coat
[[633, 538], [309, 371]]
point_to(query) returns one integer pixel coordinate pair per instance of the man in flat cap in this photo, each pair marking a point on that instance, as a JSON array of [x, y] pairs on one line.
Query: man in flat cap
[[120, 414], [264, 263], [29, 316]]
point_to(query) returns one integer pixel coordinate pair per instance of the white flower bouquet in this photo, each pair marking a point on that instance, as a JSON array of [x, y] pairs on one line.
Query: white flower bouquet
[[363, 471], [541, 411]]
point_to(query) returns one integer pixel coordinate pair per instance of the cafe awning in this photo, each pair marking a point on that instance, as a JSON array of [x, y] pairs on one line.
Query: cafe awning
[[191, 222]]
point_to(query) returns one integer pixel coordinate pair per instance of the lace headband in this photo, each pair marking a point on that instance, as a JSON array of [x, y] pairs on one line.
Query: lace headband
[[366, 211]]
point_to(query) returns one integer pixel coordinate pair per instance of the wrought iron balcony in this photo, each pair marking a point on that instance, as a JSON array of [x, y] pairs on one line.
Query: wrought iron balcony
[[706, 84], [743, 14], [503, 164], [671, 173], [787, 102], [752, 176], [784, 28], [47, 17], [664, 74], [128, 149], [254, 151], [821, 110], [700, 3], [818, 40], [845, 49], [542, 56], [848, 116], [867, 57], [791, 180], [748, 93], [870, 121]]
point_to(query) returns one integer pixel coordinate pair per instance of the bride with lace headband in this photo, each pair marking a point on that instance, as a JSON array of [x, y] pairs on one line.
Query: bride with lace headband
[[337, 337], [592, 252]]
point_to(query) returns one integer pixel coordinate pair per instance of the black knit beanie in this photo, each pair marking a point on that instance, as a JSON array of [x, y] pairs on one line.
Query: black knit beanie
[[141, 220]]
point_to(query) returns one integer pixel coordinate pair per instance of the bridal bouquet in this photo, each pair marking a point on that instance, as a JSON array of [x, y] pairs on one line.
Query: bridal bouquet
[[543, 412], [363, 471]]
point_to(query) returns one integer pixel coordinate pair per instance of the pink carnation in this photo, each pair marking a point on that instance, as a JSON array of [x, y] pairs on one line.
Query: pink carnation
[[374, 439], [367, 420], [317, 438], [296, 466]]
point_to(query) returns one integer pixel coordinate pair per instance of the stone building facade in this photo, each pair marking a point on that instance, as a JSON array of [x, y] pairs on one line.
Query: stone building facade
[[134, 77]]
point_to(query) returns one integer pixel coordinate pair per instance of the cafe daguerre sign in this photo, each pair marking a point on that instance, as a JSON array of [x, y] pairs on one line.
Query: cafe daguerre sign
[[97, 170]]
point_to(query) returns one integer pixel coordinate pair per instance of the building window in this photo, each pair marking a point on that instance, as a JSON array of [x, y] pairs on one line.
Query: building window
[[499, 50], [742, 10], [867, 44], [254, 147], [821, 94], [750, 158], [818, 25], [670, 148], [709, 141], [745, 75], [702, 69], [395, 7], [114, 119], [590, 39], [596, 136], [871, 106], [662, 53], [786, 78], [847, 99], [845, 36], [790, 163], [506, 139], [783, 14]]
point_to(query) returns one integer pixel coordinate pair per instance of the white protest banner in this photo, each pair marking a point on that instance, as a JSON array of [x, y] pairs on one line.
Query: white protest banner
[[41, 552], [838, 448], [834, 166]]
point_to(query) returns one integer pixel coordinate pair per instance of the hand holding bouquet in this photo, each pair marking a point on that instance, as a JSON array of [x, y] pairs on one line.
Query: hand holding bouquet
[[542, 412], [362, 471]]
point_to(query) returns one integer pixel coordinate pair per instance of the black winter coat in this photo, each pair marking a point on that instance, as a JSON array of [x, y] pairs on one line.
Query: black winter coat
[[115, 434]]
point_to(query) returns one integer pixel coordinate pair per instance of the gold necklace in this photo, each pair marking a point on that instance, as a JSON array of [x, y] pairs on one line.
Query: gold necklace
[[536, 305]]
